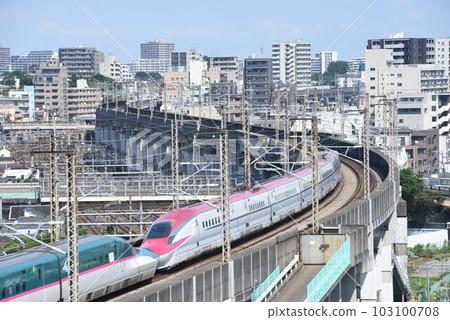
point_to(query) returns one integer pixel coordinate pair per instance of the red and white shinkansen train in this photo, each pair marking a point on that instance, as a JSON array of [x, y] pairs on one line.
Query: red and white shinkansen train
[[186, 233]]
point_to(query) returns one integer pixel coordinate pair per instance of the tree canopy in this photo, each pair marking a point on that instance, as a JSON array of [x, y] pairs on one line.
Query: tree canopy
[[329, 76], [145, 76], [101, 78], [422, 205], [24, 78]]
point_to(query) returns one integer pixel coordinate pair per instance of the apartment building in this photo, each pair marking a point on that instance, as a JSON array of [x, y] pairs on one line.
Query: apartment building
[[258, 81], [50, 87], [292, 63], [83, 100], [406, 50], [82, 62]]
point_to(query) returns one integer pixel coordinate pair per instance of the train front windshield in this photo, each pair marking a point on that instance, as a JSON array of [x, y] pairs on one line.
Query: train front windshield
[[160, 230]]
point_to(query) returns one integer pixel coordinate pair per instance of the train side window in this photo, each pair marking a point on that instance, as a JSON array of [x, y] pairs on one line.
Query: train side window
[[89, 264], [3, 292], [24, 286], [95, 262], [24, 271], [39, 274], [10, 290], [17, 288], [101, 260], [106, 258]]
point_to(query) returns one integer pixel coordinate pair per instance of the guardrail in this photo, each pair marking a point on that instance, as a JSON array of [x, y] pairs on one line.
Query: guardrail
[[278, 281], [329, 274], [266, 284]]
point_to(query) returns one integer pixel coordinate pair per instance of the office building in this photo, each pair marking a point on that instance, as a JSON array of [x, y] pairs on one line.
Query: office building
[[158, 49]]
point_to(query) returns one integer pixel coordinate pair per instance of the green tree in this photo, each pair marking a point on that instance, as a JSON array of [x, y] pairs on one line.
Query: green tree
[[101, 78], [9, 79], [422, 205], [412, 186], [146, 76], [73, 81], [337, 67]]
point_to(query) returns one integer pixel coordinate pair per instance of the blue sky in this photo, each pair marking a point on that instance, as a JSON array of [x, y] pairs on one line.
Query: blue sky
[[221, 28]]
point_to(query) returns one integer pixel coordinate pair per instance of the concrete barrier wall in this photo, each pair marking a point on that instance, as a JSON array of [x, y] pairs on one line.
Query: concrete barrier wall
[[438, 237], [210, 284]]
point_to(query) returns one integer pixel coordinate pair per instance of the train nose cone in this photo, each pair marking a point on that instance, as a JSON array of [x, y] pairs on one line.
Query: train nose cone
[[158, 246]]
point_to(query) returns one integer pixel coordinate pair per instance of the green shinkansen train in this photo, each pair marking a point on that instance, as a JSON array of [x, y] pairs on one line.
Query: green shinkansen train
[[106, 264]]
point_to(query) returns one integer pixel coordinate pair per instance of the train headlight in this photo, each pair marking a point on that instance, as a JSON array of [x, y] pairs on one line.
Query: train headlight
[[169, 242]]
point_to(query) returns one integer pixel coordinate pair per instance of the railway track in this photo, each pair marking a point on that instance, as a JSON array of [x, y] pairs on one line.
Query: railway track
[[298, 221]]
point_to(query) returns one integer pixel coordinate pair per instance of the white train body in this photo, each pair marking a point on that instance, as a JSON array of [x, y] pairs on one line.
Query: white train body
[[186, 233]]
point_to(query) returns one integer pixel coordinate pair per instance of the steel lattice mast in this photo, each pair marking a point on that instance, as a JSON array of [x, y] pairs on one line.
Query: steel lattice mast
[[72, 227], [286, 137], [304, 136], [225, 197], [175, 163], [247, 159], [53, 182], [315, 176], [366, 146]]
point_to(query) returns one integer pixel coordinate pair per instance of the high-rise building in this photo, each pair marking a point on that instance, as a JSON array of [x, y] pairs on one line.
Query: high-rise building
[[158, 49], [5, 59], [412, 84], [180, 60], [82, 62], [50, 89], [325, 58], [292, 63], [406, 50], [442, 53], [155, 57], [32, 59], [258, 81], [315, 63], [227, 66]]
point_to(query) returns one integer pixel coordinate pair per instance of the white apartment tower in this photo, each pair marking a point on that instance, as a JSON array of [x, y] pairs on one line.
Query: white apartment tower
[[442, 53], [325, 58], [292, 63]]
